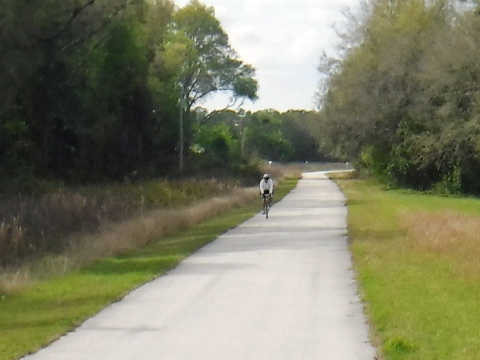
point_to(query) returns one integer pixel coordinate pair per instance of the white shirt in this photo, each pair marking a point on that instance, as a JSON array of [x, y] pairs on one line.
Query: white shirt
[[266, 185]]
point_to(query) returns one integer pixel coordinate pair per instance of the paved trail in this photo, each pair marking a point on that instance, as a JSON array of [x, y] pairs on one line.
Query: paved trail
[[271, 289]]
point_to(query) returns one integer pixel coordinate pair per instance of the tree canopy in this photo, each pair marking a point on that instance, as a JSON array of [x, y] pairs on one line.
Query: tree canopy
[[92, 89], [202, 62], [403, 101], [198, 48]]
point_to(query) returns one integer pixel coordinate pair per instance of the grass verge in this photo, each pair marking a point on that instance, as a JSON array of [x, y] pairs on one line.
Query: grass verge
[[35, 315], [416, 257]]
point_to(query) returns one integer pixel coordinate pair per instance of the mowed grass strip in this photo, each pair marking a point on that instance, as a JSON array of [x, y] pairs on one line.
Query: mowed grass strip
[[417, 259], [34, 316]]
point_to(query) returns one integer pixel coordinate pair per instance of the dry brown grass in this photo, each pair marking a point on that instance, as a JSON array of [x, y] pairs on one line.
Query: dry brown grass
[[139, 231], [453, 236], [342, 175], [32, 226], [12, 236], [113, 239], [279, 171]]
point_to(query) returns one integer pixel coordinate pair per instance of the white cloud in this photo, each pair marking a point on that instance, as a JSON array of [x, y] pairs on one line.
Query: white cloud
[[283, 40]]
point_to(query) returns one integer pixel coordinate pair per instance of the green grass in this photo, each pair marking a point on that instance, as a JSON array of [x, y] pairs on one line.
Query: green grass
[[419, 304], [35, 315]]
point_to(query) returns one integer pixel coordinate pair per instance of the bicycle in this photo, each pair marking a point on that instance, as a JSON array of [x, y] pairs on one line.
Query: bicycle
[[267, 202]]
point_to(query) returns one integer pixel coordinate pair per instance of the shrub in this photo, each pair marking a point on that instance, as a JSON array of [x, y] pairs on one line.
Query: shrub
[[34, 225]]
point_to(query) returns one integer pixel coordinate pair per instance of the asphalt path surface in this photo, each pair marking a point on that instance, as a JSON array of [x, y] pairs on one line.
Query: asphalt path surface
[[271, 289]]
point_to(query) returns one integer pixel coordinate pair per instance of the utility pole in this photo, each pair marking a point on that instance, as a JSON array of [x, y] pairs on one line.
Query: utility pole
[[241, 115], [182, 142]]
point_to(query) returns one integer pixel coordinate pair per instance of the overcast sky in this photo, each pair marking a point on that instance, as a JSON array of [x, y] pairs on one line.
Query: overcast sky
[[283, 40]]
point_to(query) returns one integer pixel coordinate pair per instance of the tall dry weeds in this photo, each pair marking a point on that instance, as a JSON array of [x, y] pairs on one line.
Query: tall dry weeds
[[39, 225], [32, 226], [115, 238], [12, 239], [448, 234], [152, 225]]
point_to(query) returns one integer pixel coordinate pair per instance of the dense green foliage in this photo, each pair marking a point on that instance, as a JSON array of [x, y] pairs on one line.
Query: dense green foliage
[[90, 89], [265, 134], [404, 100]]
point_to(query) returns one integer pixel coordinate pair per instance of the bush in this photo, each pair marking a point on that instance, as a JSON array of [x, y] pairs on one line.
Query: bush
[[34, 225]]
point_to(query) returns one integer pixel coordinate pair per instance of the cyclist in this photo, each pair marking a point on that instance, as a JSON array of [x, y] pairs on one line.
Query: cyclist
[[266, 186]]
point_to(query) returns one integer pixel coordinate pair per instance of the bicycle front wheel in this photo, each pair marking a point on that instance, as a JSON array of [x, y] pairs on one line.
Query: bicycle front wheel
[[266, 207]]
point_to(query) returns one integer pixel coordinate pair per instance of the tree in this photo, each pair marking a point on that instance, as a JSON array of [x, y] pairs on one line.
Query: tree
[[91, 88], [201, 60], [297, 128], [373, 100], [264, 137], [48, 62], [404, 100], [444, 140]]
